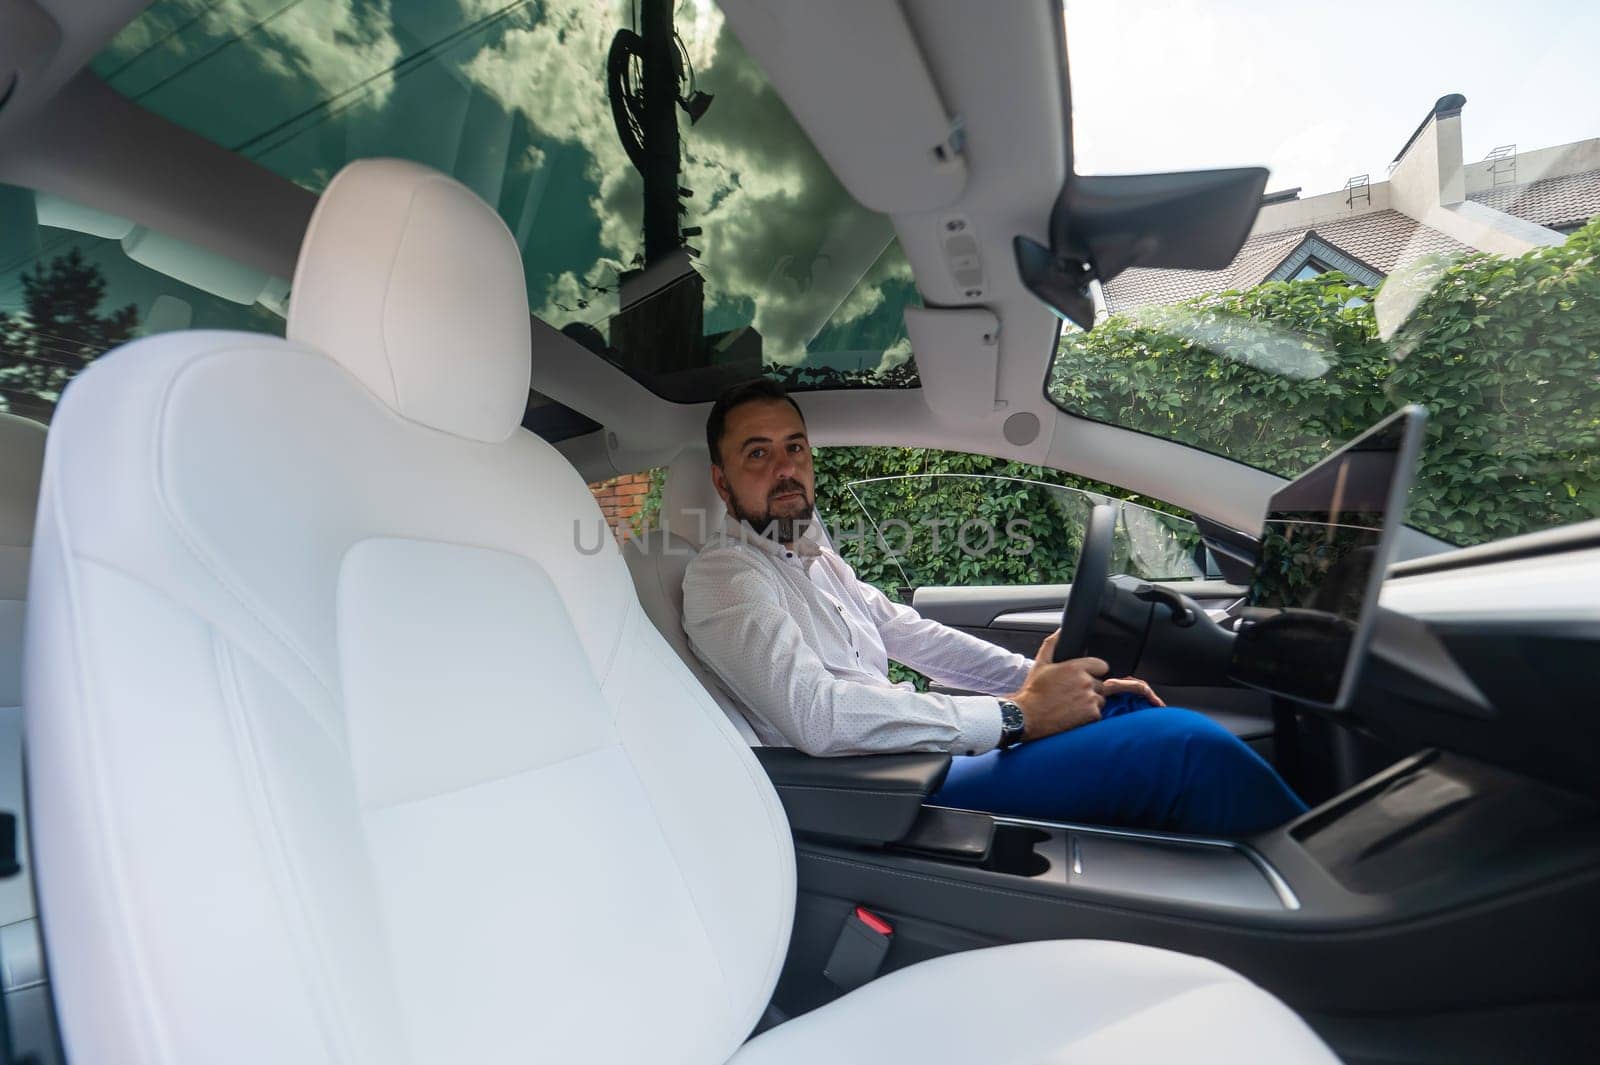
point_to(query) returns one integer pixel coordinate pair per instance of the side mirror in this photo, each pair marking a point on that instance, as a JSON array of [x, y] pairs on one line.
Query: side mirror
[[1101, 226]]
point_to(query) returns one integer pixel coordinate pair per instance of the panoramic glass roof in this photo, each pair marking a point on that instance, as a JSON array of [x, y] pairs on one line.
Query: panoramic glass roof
[[750, 256]]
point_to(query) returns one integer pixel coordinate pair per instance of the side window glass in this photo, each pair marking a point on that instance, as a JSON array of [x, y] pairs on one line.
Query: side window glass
[[76, 282], [905, 532]]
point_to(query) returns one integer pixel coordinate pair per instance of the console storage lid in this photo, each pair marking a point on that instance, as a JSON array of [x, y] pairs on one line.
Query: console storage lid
[[870, 798]]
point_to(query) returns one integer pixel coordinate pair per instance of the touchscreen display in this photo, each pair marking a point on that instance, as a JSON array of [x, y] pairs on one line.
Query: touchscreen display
[[1324, 546]]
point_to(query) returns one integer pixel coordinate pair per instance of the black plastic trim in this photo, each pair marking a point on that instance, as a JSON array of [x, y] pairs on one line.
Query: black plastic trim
[[872, 798]]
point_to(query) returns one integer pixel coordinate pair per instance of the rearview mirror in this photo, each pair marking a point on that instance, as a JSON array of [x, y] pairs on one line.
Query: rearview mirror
[[1101, 226]]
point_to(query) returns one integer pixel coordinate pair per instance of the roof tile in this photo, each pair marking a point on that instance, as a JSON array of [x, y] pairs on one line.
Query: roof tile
[[1569, 200], [1381, 239]]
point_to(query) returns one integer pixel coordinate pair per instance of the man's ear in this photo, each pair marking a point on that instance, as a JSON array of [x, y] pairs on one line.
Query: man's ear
[[720, 483]]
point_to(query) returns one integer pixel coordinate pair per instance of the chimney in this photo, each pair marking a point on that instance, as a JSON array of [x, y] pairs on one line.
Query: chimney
[[1428, 173]]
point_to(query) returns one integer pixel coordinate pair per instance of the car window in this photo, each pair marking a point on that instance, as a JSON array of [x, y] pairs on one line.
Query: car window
[[906, 531], [76, 282], [692, 253], [1463, 276]]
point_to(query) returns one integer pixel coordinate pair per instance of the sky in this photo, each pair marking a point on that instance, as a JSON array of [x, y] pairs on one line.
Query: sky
[[1320, 92]]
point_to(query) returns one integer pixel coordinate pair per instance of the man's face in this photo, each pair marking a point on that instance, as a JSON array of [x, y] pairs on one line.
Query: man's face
[[765, 476]]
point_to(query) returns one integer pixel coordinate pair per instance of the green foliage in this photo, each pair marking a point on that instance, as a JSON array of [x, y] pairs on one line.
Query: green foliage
[[1036, 528], [58, 332], [650, 510], [1503, 352], [803, 378]]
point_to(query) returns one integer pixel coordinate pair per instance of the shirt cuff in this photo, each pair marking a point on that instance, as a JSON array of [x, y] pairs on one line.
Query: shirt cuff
[[980, 720]]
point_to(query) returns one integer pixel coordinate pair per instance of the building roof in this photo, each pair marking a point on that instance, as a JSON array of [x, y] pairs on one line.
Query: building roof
[[1569, 200], [1382, 239]]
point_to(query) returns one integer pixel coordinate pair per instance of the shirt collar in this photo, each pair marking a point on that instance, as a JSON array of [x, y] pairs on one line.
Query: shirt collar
[[808, 545]]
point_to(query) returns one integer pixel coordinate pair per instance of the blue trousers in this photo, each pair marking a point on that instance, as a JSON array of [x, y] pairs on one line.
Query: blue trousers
[[1139, 766]]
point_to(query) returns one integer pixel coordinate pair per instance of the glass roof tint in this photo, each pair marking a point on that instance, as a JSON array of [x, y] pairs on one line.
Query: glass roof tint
[[76, 282], [749, 256]]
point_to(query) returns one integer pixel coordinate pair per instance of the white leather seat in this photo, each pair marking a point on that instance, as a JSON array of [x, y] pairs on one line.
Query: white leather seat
[[341, 751], [657, 559]]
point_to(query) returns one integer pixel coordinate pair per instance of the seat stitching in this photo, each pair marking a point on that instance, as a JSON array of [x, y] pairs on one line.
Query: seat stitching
[[630, 598], [327, 728], [379, 807], [308, 944], [144, 986], [189, 541], [388, 286], [777, 818], [677, 866]]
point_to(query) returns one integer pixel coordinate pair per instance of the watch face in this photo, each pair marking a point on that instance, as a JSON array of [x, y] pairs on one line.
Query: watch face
[[1010, 716]]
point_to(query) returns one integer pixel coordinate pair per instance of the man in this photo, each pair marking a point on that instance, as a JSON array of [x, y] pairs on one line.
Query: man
[[805, 647]]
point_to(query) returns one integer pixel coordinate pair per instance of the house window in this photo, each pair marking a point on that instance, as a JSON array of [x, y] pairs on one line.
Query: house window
[[1311, 269]]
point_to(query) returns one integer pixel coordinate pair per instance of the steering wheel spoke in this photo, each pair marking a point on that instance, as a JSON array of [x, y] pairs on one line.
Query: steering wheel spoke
[[1089, 583]]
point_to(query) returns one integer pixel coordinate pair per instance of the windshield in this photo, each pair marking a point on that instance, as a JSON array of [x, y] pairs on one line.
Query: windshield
[[683, 228], [1412, 247]]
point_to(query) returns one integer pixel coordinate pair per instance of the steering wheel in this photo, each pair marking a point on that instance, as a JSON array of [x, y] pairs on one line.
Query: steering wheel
[[1089, 583]]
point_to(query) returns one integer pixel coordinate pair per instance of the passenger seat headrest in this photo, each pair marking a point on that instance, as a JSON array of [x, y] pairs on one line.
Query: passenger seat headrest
[[690, 506], [413, 284]]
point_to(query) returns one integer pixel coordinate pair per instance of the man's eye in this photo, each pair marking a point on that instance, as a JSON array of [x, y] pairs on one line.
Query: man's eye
[[795, 449], [757, 453]]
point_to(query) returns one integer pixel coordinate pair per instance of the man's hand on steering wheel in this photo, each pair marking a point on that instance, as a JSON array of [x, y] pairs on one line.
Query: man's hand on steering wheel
[[1058, 696], [1119, 685], [1065, 689]]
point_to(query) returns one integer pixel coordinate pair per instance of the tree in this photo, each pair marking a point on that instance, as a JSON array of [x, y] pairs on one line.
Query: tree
[[1503, 351], [58, 332]]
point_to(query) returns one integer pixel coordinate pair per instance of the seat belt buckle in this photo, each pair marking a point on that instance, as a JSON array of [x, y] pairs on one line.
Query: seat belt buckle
[[858, 955]]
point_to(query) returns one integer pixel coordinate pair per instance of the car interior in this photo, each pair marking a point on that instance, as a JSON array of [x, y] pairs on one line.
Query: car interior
[[337, 725]]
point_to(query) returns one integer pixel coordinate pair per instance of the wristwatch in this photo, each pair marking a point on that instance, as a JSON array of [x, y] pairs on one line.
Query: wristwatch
[[1011, 725]]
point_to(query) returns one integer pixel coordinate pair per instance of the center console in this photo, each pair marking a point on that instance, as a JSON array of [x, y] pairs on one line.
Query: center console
[[1438, 885]]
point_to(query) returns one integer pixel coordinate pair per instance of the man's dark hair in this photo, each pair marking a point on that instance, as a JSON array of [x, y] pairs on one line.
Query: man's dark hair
[[737, 396]]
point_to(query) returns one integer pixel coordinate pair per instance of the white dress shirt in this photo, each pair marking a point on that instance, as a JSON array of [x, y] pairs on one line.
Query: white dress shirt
[[805, 647]]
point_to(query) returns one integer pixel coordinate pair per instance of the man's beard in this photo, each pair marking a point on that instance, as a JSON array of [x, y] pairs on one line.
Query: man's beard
[[785, 529]]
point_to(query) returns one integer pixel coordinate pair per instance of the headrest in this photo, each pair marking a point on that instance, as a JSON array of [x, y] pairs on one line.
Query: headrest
[[690, 506], [414, 285]]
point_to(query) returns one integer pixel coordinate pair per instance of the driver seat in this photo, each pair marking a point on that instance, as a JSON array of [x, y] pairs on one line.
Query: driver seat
[[341, 750]]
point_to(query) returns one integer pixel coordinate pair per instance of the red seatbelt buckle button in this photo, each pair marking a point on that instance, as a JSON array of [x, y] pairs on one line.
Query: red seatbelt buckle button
[[859, 953]]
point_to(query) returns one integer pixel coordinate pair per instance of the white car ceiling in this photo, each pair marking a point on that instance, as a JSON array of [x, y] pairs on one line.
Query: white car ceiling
[[999, 68]]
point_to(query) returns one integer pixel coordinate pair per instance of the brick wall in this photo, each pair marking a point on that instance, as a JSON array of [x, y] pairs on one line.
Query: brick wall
[[621, 497]]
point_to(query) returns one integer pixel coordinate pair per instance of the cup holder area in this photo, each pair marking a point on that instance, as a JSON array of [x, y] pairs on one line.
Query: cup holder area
[[1013, 851]]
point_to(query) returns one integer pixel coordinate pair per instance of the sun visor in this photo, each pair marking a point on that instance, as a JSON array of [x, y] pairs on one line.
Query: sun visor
[[958, 358], [855, 80]]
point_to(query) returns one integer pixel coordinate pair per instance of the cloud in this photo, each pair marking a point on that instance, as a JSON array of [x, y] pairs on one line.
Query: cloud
[[780, 232], [783, 241], [336, 47], [895, 355]]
